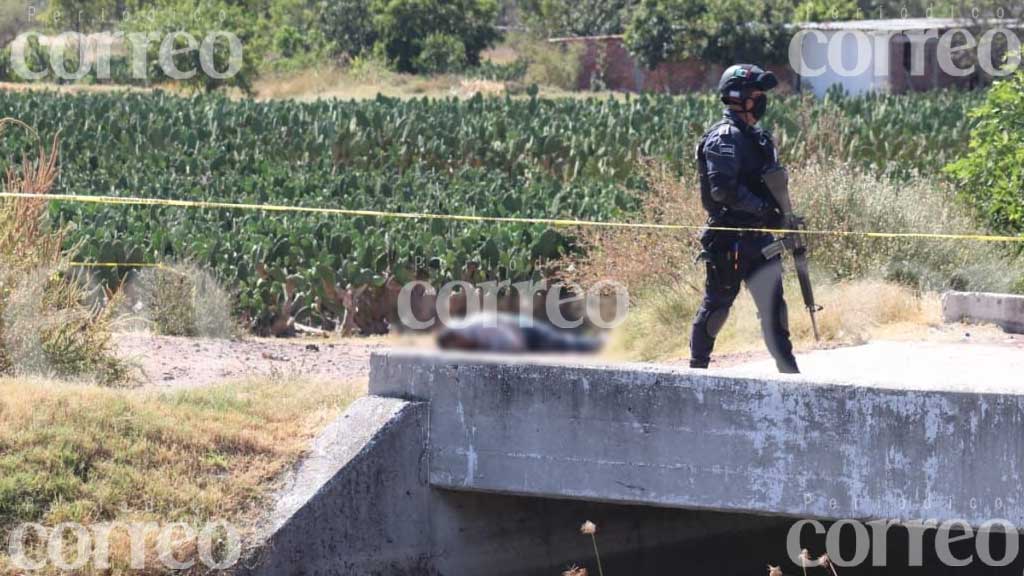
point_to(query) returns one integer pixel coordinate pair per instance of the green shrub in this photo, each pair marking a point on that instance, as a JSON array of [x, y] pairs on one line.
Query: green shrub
[[991, 175], [441, 53], [551, 65], [548, 18], [403, 27], [201, 18], [288, 41], [715, 31], [37, 59], [348, 24], [13, 19], [513, 71], [844, 198]]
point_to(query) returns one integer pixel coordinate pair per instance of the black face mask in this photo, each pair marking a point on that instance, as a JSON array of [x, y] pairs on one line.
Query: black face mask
[[760, 106]]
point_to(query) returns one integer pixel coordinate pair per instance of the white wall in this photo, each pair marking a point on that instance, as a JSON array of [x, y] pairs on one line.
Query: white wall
[[859, 66]]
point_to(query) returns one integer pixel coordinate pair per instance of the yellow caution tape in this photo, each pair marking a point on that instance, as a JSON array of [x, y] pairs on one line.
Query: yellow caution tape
[[561, 222], [116, 265]]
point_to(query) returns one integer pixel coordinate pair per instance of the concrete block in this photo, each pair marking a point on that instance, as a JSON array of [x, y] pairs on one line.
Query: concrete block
[[358, 504], [653, 435], [1004, 310]]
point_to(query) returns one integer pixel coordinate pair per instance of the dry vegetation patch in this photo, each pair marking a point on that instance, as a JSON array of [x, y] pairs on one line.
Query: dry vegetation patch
[[86, 454], [864, 284], [50, 322]]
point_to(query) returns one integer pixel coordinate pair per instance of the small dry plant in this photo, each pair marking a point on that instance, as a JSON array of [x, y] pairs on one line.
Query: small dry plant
[[185, 300], [50, 323], [806, 561], [589, 529]]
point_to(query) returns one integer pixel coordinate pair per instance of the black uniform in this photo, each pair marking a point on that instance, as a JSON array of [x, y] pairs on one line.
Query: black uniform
[[731, 158]]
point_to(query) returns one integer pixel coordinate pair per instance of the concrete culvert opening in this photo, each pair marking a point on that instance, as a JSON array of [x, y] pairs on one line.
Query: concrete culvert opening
[[525, 536]]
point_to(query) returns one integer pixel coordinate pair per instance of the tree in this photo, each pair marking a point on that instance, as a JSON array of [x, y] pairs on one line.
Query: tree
[[548, 18], [722, 31], [202, 20], [13, 19], [87, 16], [882, 9], [403, 26], [827, 10], [347, 25], [991, 175]]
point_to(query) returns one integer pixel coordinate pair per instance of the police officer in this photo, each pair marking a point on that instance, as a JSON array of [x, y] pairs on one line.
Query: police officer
[[731, 158]]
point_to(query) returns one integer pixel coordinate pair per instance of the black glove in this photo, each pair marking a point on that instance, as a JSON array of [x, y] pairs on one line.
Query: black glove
[[772, 217]]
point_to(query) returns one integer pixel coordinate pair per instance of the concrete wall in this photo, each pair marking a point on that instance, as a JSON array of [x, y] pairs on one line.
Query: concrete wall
[[360, 504], [689, 439], [357, 504], [1005, 310], [605, 62], [469, 464]]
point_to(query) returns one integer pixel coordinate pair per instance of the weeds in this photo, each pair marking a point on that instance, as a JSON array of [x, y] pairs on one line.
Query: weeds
[[591, 529], [49, 322], [823, 562], [848, 199], [185, 300]]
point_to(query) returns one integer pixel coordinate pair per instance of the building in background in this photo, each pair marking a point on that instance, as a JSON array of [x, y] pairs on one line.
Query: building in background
[[868, 56], [879, 55], [607, 64]]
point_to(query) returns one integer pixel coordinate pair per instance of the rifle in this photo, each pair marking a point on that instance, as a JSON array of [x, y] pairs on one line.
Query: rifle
[[777, 181]]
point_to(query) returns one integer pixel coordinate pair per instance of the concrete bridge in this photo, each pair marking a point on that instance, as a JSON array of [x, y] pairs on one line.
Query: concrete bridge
[[461, 464]]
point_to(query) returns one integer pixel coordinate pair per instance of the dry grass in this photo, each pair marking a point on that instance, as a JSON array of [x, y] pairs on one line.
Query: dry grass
[[70, 88], [554, 69], [867, 286], [49, 322], [357, 82], [658, 327], [80, 453], [640, 258], [835, 197]]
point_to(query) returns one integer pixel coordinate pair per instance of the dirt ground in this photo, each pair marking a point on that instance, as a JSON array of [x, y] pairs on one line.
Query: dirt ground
[[172, 362], [167, 362]]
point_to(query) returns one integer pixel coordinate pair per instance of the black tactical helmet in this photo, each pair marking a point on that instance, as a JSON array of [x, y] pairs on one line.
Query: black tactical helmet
[[739, 80]]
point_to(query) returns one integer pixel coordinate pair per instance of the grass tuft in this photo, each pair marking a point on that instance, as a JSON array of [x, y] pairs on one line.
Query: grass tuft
[[185, 300]]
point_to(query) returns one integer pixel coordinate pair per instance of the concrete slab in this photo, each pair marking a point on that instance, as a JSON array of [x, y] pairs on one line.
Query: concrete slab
[[1004, 310], [946, 366], [936, 448]]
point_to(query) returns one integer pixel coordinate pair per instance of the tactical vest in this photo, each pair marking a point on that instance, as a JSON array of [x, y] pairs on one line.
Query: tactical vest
[[717, 212]]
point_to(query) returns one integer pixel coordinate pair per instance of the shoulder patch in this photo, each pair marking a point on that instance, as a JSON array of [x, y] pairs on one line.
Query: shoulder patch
[[728, 150]]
